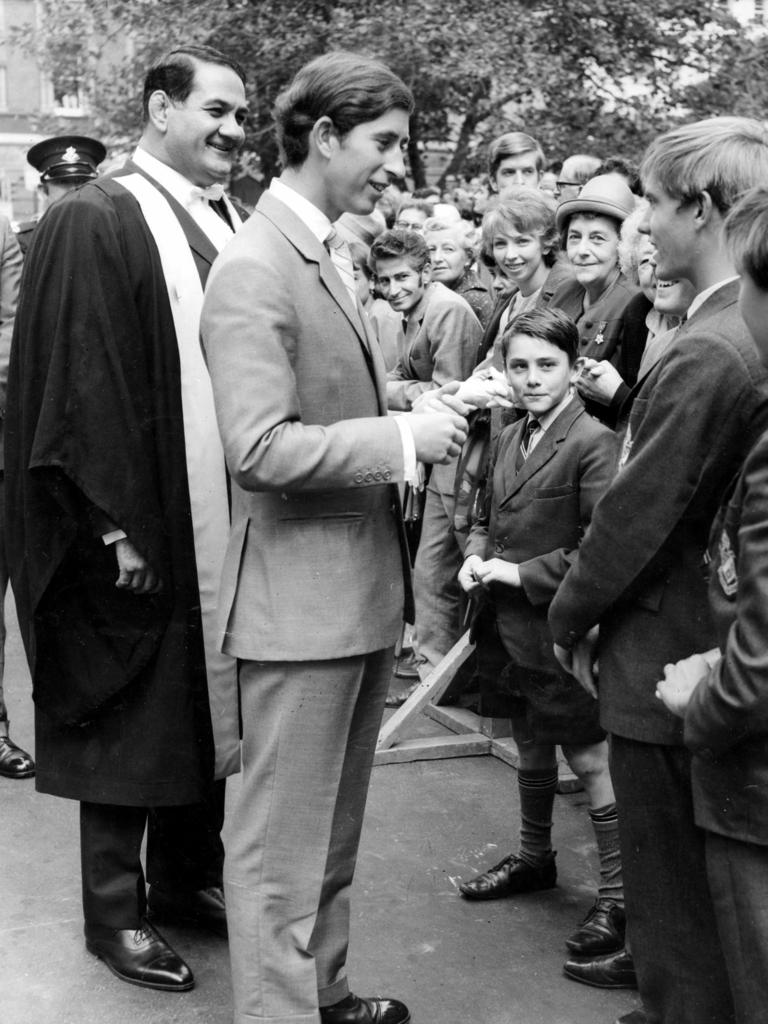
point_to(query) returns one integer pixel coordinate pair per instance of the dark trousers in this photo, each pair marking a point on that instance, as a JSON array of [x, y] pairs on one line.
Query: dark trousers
[[670, 918], [184, 851], [738, 880]]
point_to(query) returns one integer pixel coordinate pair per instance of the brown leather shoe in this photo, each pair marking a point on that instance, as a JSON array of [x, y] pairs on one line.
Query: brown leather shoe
[[201, 908], [510, 876], [615, 970], [601, 931], [355, 1010], [15, 763], [139, 956]]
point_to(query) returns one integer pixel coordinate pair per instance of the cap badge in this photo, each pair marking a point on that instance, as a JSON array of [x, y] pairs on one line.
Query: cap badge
[[71, 156]]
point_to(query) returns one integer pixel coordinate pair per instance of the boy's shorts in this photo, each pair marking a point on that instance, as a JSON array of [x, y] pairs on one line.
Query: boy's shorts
[[550, 708]]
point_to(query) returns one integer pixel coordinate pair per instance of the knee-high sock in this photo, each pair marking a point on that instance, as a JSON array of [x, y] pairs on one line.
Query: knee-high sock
[[537, 797], [605, 822]]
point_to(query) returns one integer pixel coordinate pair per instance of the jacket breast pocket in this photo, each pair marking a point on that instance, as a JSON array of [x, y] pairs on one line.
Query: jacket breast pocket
[[560, 491]]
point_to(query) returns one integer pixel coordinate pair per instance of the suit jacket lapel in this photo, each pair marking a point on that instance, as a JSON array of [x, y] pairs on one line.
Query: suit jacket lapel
[[544, 450], [299, 235], [204, 250]]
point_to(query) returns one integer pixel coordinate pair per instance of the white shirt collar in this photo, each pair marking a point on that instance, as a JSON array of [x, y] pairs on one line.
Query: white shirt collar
[[702, 297], [180, 188], [311, 215]]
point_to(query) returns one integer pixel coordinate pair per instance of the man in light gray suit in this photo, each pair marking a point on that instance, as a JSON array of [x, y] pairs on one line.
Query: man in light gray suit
[[315, 577]]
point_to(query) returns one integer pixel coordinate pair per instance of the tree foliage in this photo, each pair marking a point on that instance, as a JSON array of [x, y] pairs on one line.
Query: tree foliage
[[603, 76]]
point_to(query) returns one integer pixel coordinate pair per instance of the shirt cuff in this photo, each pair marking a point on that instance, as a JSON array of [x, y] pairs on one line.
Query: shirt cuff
[[410, 466], [113, 536]]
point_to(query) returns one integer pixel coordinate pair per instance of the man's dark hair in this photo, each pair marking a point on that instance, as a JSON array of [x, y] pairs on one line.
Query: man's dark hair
[[174, 72], [346, 87], [400, 244], [546, 324], [618, 165]]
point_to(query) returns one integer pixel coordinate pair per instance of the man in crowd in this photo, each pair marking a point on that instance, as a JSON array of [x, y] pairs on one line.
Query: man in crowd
[[313, 589], [118, 521], [64, 162], [640, 571], [514, 159]]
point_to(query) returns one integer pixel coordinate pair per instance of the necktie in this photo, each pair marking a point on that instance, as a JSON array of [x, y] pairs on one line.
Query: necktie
[[342, 260], [526, 442]]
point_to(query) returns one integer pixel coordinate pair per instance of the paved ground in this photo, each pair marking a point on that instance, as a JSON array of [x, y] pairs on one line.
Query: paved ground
[[428, 824]]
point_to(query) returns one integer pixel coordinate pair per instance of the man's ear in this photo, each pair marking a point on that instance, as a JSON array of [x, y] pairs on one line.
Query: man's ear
[[157, 107], [706, 209], [324, 136], [426, 275]]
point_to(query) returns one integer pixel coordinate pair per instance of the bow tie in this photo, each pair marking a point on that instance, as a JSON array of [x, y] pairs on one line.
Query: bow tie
[[213, 193]]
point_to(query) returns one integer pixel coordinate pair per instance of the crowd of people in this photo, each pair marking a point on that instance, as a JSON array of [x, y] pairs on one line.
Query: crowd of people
[[241, 450]]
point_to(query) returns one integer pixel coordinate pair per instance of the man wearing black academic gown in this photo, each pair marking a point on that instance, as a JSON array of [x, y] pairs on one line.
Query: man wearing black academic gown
[[118, 518]]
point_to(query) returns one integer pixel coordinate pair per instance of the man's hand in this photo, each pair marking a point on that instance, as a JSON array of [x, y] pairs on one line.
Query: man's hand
[[682, 678], [580, 661], [599, 381], [136, 574], [496, 570], [438, 436], [467, 579], [485, 390]]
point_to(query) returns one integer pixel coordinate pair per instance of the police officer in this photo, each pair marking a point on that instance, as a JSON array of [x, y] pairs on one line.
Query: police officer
[[64, 162]]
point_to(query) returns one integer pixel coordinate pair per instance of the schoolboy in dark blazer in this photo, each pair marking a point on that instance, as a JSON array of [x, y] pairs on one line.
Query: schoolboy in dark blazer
[[548, 471]]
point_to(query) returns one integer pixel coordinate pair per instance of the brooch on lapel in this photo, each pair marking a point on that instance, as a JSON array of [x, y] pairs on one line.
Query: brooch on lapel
[[726, 570], [600, 336]]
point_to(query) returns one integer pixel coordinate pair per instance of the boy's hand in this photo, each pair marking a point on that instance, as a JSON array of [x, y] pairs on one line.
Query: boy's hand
[[580, 660], [681, 679], [467, 579], [438, 436], [496, 570]]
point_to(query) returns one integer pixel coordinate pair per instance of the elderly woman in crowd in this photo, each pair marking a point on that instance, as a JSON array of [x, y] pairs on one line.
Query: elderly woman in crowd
[[649, 322], [451, 256]]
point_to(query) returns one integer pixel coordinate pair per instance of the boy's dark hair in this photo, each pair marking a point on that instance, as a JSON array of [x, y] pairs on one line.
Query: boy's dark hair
[[346, 87], [513, 144], [546, 324], [400, 244], [746, 235], [174, 72]]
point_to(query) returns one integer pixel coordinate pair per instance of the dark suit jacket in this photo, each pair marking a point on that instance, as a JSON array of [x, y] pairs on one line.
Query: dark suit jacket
[[640, 569], [537, 518], [315, 564], [726, 724]]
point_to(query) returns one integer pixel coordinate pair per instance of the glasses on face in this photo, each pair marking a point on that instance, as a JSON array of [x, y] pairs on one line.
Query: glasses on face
[[560, 185], [407, 225]]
